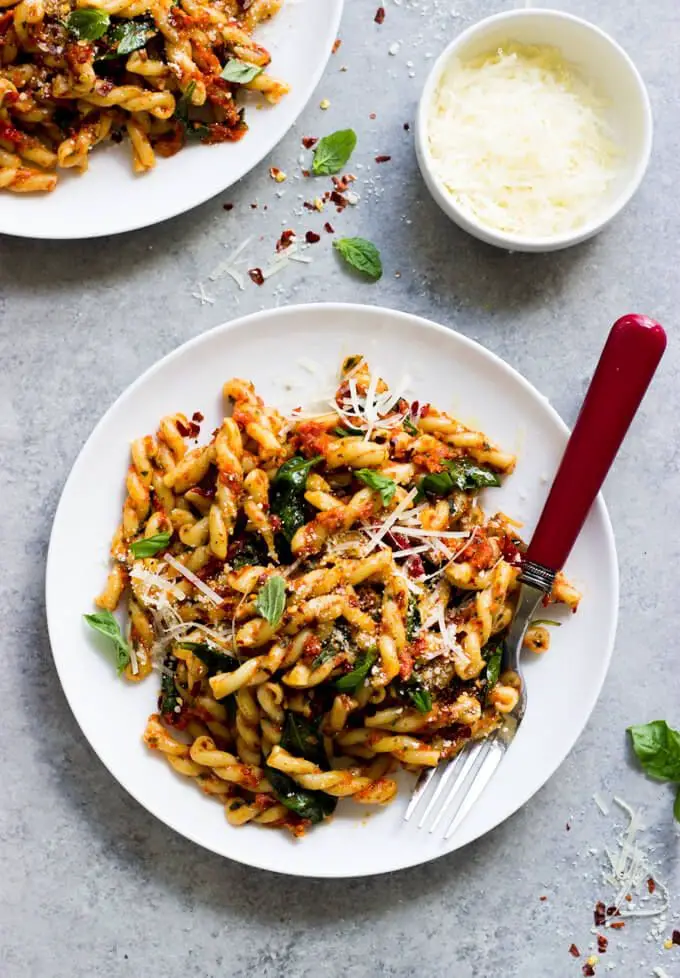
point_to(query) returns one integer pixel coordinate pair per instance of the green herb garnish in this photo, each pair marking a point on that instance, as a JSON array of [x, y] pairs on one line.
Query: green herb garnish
[[352, 680], [332, 152], [380, 483], [126, 37], [545, 621], [150, 545], [106, 624], [287, 493], [271, 600], [494, 662], [421, 699], [413, 620], [301, 738], [88, 24], [215, 659], [191, 127], [410, 427], [461, 474], [361, 255], [240, 72]]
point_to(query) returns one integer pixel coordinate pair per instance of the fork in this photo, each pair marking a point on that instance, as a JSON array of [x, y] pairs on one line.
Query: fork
[[629, 359]]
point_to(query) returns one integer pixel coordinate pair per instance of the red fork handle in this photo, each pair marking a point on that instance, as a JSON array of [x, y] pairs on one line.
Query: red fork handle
[[630, 357]]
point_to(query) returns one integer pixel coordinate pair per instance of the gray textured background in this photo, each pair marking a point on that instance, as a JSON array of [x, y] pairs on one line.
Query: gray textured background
[[91, 884]]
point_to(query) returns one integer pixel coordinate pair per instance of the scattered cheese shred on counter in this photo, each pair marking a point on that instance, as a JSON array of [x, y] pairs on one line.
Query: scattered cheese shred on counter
[[521, 142]]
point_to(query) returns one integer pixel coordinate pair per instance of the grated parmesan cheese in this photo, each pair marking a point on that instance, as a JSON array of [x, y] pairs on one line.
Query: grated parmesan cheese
[[521, 142]]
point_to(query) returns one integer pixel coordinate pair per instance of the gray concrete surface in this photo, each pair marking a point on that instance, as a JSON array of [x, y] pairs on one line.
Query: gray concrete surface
[[93, 886]]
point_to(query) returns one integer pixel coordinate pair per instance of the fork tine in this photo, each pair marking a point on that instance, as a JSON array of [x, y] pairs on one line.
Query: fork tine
[[470, 757], [419, 790], [451, 768], [485, 771]]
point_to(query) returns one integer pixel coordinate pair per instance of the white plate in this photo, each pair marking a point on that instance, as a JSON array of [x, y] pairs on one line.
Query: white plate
[[110, 198], [454, 373]]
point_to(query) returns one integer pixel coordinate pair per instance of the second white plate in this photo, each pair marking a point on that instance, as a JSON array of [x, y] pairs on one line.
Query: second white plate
[[453, 373]]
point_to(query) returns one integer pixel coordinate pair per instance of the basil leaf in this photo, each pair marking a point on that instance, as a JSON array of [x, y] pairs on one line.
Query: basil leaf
[[493, 669], [436, 484], [169, 698], [413, 620], [361, 255], [466, 475], [126, 37], [287, 493], [332, 152], [150, 545], [410, 427], [312, 805], [215, 659], [191, 127], [249, 551], [301, 738], [338, 642], [676, 806], [657, 747], [271, 600], [380, 483], [88, 24], [347, 432], [240, 72], [106, 624], [352, 680], [422, 699]]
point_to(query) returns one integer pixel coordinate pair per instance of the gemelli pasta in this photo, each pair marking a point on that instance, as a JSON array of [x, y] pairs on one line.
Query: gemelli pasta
[[322, 597], [76, 73]]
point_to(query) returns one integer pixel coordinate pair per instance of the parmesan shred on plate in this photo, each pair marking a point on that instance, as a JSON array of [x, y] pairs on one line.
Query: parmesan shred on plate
[[521, 142]]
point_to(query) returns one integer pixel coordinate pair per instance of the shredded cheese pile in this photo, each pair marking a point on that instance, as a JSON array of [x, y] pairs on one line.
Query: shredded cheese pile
[[521, 142]]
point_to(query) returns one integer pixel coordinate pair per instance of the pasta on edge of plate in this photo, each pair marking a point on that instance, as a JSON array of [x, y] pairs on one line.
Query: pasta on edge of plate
[[76, 73], [323, 595]]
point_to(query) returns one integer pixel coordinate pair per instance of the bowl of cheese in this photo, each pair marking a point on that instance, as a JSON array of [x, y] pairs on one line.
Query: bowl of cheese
[[534, 130]]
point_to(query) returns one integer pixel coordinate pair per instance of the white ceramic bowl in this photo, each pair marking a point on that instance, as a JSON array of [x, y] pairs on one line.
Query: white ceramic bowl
[[600, 61]]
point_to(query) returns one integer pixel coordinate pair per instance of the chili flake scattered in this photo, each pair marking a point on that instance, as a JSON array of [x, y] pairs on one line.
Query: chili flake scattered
[[228, 207], [197, 417], [371, 115], [651, 885], [336, 44], [599, 914], [542, 898], [329, 228], [574, 951], [383, 159], [602, 943], [588, 970], [277, 174], [407, 126], [311, 237], [379, 15], [618, 924], [256, 275], [309, 141], [286, 239], [676, 937]]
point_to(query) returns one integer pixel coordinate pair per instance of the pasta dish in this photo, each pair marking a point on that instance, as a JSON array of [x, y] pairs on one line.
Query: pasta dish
[[322, 595], [75, 73]]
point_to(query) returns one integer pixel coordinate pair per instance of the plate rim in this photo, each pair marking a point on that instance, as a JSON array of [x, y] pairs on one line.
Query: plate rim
[[593, 692], [268, 147]]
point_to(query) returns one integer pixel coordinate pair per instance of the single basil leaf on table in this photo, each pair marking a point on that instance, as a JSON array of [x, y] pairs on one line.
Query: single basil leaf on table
[[657, 747], [352, 680], [361, 255], [312, 805], [240, 72], [106, 624], [150, 545], [215, 659], [287, 493], [676, 806], [88, 24], [271, 600], [332, 152], [380, 483]]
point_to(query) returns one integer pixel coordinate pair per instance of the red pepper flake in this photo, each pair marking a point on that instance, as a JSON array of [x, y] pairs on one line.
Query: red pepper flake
[[675, 936], [651, 885], [311, 237], [329, 228], [542, 898], [254, 206], [383, 159], [588, 970], [379, 15], [567, 826], [306, 173], [414, 567], [407, 126], [618, 924], [189, 430], [308, 206], [340, 201], [612, 911], [256, 275], [285, 240], [197, 417], [228, 207], [602, 943], [599, 914], [628, 898], [336, 44], [371, 115], [574, 951], [309, 141], [342, 183]]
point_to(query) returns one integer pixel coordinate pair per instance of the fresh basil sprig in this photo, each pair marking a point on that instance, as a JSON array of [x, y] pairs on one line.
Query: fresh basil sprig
[[240, 72], [126, 37], [421, 699], [657, 747], [150, 545], [361, 255], [380, 483], [332, 152], [106, 624], [88, 24], [271, 600], [352, 680]]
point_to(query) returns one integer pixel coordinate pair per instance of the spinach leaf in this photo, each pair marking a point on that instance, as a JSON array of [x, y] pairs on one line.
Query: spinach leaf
[[413, 620], [657, 747], [215, 659], [361, 255], [191, 127], [422, 699], [287, 493], [106, 624], [410, 427], [380, 483], [126, 37], [88, 23], [332, 152], [169, 698], [347, 431], [301, 738], [461, 474], [271, 600], [676, 806], [352, 680], [494, 662], [435, 484], [250, 551], [240, 72], [312, 805], [339, 641], [150, 545]]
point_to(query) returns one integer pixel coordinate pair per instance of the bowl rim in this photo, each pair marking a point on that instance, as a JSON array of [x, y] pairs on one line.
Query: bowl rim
[[467, 221]]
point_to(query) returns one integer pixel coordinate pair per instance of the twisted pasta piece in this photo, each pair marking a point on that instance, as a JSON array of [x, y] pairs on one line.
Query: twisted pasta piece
[[247, 726], [223, 512], [363, 789]]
